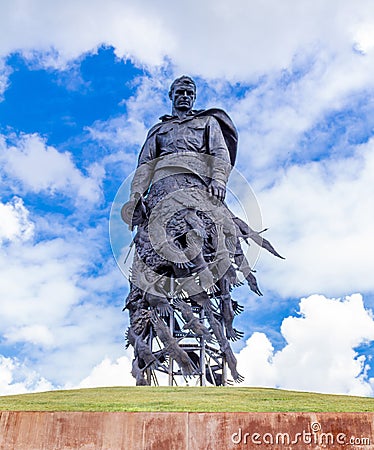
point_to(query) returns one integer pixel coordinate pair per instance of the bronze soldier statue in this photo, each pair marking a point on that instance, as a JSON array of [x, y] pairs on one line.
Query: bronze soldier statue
[[188, 250]]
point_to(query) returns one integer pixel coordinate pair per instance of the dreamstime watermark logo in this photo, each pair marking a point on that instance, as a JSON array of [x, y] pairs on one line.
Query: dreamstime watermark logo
[[168, 203], [313, 436]]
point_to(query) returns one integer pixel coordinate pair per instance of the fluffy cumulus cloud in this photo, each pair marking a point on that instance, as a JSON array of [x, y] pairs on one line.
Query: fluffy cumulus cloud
[[266, 36], [64, 31], [319, 354], [14, 221], [54, 301], [61, 325], [325, 239], [38, 167], [59, 312], [35, 334], [110, 373], [143, 107], [274, 117], [16, 378]]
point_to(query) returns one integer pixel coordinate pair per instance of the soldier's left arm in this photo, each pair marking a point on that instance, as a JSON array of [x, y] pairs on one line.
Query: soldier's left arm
[[221, 166]]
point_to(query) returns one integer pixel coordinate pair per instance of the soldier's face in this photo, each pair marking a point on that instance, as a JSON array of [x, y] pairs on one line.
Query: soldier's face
[[183, 97]]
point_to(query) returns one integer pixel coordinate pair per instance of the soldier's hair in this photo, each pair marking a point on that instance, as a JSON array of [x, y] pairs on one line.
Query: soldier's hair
[[184, 79]]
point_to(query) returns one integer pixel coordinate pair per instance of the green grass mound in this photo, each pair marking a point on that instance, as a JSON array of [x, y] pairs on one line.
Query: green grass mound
[[179, 399]]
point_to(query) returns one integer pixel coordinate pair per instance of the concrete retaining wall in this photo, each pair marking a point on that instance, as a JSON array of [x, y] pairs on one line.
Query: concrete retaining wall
[[185, 431]]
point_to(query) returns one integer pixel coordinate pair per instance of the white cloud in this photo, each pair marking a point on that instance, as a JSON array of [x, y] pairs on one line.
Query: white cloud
[[60, 301], [237, 40], [64, 31], [253, 38], [108, 373], [53, 308], [39, 282], [274, 116], [40, 167], [16, 378], [119, 131], [125, 134], [88, 333], [149, 101], [320, 351], [5, 71], [35, 334], [321, 220], [255, 361], [364, 37], [14, 221], [313, 41]]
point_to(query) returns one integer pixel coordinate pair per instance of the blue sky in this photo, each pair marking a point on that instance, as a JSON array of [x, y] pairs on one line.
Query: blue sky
[[80, 84]]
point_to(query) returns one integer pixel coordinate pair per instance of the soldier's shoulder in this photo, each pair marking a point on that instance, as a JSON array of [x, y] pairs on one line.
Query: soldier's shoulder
[[228, 129], [154, 129], [217, 113]]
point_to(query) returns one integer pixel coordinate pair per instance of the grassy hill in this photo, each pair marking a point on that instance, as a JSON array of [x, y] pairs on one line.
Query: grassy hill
[[193, 399]]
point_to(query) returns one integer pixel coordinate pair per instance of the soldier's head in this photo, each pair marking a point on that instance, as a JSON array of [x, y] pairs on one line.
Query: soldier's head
[[182, 93]]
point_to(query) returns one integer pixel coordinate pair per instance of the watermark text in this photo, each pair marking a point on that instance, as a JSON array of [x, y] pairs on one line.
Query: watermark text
[[313, 436]]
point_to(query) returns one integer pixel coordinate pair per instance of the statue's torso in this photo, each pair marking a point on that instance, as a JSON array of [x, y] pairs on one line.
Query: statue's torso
[[175, 136]]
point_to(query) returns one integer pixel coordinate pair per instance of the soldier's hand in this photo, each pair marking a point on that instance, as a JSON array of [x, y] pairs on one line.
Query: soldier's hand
[[218, 190]]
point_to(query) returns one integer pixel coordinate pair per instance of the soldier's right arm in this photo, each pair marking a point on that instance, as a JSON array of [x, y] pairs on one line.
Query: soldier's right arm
[[144, 172]]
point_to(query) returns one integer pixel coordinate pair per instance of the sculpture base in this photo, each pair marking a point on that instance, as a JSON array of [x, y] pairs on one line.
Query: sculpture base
[[181, 431]]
